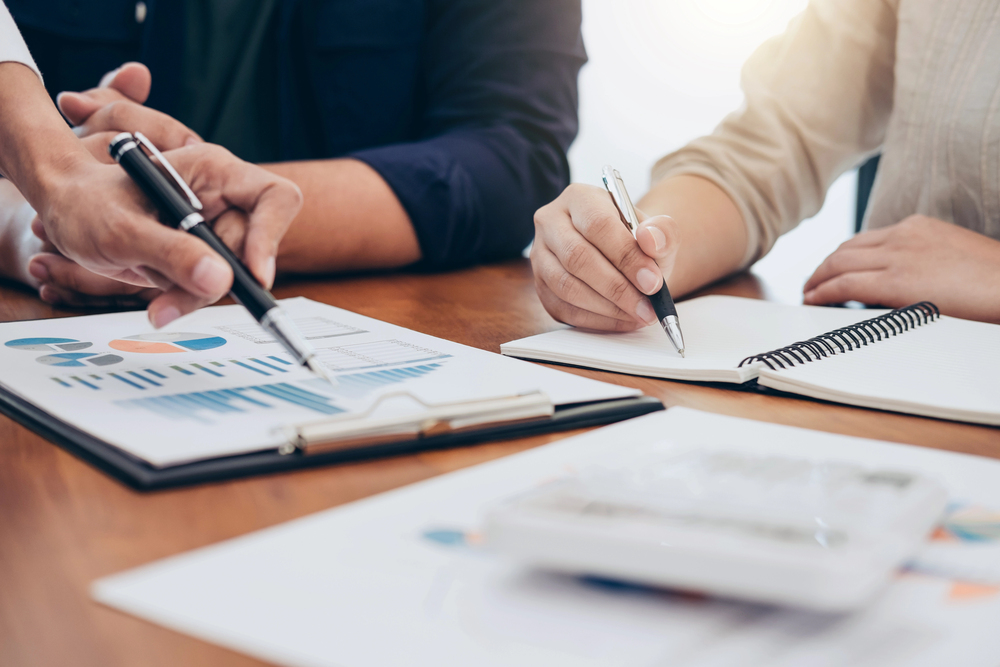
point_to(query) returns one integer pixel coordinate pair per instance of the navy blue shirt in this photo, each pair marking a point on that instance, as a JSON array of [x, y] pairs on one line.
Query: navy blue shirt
[[465, 107]]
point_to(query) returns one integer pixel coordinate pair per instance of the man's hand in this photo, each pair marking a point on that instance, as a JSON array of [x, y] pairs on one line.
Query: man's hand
[[124, 252], [115, 106], [918, 259], [589, 271], [251, 209]]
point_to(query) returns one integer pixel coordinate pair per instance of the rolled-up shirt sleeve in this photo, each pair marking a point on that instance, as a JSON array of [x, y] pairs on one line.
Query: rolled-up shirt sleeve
[[500, 113], [12, 46], [817, 103]]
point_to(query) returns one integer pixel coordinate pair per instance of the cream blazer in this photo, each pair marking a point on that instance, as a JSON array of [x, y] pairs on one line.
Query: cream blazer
[[917, 80]]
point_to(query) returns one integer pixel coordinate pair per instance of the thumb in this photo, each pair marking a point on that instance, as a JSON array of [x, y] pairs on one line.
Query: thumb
[[76, 107], [658, 238], [132, 80], [186, 262]]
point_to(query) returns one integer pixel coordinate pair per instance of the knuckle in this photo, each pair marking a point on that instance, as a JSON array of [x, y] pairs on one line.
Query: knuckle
[[567, 287], [618, 289], [590, 222], [577, 257], [631, 255], [117, 114]]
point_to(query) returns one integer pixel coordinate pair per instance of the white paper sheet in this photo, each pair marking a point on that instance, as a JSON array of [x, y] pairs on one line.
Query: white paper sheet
[[214, 383], [398, 579]]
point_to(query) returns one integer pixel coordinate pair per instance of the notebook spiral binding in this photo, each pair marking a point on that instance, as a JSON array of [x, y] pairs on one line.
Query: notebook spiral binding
[[849, 338]]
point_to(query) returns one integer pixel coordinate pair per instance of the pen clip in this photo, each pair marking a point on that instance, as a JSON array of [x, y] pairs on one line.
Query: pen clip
[[178, 181], [616, 187]]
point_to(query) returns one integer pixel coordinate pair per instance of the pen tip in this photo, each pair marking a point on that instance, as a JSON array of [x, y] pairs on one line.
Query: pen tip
[[683, 356], [318, 369]]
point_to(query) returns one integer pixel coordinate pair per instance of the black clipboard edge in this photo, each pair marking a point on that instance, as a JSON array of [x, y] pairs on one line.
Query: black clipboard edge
[[141, 476]]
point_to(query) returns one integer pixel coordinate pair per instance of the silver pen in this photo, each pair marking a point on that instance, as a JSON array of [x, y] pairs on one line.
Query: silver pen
[[662, 302]]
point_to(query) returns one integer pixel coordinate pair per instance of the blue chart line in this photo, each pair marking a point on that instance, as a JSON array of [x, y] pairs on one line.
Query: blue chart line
[[267, 365], [208, 370], [155, 374], [193, 405], [85, 383], [359, 384], [249, 367], [280, 360], [144, 378], [126, 380]]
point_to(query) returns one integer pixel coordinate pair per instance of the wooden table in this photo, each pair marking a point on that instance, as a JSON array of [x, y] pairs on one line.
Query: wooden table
[[63, 524]]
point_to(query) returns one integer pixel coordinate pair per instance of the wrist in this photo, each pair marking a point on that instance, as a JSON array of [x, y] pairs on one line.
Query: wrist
[[38, 150]]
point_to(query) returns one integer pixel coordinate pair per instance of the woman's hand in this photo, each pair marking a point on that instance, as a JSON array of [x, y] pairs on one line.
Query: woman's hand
[[918, 259], [589, 271]]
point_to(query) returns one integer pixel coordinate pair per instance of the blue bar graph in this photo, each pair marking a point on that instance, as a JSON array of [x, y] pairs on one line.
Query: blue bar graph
[[280, 360], [358, 384], [201, 406], [84, 382], [126, 380], [155, 374], [267, 365], [249, 367], [208, 370], [144, 378]]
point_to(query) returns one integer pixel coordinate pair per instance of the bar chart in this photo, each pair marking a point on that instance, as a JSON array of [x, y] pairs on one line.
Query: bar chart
[[141, 379], [375, 354], [360, 384], [207, 406]]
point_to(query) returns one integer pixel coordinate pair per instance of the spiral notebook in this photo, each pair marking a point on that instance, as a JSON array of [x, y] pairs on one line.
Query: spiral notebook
[[910, 360]]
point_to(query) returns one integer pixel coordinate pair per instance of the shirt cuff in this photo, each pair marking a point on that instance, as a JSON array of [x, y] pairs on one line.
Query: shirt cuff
[[12, 46]]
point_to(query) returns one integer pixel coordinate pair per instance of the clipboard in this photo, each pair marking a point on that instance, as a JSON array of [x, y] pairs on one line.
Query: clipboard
[[328, 442]]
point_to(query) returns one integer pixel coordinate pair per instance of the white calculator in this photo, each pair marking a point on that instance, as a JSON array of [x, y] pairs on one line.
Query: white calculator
[[825, 536]]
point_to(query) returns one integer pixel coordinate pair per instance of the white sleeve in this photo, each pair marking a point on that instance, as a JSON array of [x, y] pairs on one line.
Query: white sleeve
[[12, 46]]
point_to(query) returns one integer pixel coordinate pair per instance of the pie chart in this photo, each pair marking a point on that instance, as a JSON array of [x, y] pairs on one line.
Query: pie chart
[[77, 359], [167, 342], [47, 344]]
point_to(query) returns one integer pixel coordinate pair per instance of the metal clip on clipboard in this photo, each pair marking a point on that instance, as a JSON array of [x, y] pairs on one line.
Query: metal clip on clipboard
[[353, 431]]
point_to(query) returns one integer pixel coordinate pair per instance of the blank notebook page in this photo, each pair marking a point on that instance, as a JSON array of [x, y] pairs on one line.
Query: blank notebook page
[[719, 332], [948, 369]]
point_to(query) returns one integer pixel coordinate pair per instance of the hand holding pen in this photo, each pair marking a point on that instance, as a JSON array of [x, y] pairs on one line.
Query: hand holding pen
[[180, 208], [591, 271]]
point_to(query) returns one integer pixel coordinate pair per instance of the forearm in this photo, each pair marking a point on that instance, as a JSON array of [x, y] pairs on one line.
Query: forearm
[[36, 145], [712, 237], [350, 220], [17, 243]]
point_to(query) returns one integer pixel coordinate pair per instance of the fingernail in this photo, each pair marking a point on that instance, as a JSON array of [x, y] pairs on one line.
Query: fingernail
[[645, 312], [659, 238], [39, 271], [164, 316], [211, 275], [648, 281], [270, 268], [48, 295]]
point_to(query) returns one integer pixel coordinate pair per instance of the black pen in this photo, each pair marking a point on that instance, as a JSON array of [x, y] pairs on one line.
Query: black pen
[[663, 303], [180, 208]]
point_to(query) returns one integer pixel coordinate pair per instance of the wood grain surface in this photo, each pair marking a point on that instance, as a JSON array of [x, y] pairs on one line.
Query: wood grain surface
[[64, 524]]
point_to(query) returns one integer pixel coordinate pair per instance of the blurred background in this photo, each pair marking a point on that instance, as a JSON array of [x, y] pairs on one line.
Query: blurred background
[[662, 72]]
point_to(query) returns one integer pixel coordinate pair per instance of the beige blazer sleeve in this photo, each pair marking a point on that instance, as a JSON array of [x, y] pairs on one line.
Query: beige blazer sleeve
[[817, 103], [12, 46]]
